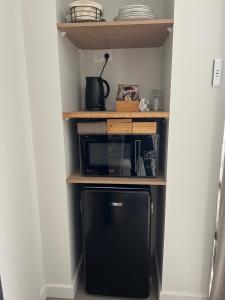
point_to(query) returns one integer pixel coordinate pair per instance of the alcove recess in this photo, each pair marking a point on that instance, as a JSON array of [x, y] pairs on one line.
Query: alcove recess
[[141, 54]]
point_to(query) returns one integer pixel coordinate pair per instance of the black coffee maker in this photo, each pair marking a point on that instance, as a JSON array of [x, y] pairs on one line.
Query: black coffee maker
[[95, 93]]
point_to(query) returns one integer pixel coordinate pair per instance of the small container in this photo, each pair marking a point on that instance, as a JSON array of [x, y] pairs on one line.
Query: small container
[[144, 127], [127, 106], [119, 126], [91, 128], [156, 102], [144, 104]]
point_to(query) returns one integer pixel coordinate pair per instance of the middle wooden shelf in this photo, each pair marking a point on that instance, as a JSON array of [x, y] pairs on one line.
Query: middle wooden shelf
[[77, 178], [115, 115]]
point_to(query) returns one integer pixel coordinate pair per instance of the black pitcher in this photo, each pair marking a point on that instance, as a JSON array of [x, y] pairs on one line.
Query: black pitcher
[[95, 94]]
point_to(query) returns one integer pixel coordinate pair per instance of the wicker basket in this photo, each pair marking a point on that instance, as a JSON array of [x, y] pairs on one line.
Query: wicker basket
[[86, 11]]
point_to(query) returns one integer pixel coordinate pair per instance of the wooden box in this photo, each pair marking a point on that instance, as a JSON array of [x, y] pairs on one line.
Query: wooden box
[[127, 106], [144, 127], [91, 127], [119, 126]]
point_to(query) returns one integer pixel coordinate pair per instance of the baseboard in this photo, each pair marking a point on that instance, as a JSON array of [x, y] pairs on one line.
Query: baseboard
[[43, 294], [173, 295], [63, 291], [157, 270]]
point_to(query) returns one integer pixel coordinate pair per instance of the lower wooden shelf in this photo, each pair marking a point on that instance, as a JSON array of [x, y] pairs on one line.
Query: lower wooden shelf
[[77, 178]]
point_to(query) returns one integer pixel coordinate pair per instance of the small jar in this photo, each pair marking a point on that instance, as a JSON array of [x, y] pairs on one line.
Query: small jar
[[144, 104], [156, 102]]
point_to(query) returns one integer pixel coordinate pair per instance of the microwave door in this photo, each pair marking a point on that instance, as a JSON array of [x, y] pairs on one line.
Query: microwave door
[[107, 155], [139, 157], [119, 155], [119, 150], [94, 156], [148, 159]]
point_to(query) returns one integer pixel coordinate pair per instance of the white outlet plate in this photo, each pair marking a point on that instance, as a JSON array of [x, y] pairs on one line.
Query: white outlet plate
[[99, 56]]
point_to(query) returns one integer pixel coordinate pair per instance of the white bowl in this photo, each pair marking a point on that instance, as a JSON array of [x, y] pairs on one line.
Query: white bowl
[[135, 18], [85, 14], [86, 4]]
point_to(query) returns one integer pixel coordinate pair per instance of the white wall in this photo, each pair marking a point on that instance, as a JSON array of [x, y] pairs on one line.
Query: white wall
[[20, 249], [129, 66], [41, 46], [195, 137], [70, 83]]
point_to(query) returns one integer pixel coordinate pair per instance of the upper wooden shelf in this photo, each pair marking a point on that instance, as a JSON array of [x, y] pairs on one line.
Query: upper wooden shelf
[[117, 35], [115, 115]]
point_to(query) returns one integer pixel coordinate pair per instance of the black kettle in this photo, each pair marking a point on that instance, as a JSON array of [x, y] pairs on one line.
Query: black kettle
[[95, 94]]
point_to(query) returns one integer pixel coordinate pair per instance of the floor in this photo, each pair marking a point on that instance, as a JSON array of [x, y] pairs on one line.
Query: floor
[[82, 295]]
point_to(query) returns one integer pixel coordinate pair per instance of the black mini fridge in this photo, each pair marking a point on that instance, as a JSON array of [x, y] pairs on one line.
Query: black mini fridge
[[117, 240]]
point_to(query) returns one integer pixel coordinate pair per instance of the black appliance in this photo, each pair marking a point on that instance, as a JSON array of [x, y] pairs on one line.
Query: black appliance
[[119, 155], [95, 94], [117, 240], [1, 293]]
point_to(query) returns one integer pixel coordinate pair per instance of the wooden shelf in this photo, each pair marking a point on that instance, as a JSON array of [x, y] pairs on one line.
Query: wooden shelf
[[77, 178], [117, 35], [114, 115]]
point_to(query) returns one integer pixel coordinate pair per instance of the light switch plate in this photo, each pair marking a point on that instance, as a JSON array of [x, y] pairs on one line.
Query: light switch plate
[[217, 71]]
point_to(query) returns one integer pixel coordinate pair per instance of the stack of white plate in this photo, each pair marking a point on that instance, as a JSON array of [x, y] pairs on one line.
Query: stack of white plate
[[135, 12], [85, 10]]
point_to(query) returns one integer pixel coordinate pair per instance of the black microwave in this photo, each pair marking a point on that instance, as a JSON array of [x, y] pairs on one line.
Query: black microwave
[[119, 155]]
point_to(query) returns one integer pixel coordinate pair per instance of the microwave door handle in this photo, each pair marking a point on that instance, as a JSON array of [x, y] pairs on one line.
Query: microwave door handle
[[137, 150], [135, 157], [139, 157]]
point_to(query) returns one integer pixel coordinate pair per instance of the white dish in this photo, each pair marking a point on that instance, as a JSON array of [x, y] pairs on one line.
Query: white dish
[[134, 18], [86, 4], [137, 16], [85, 18], [135, 13], [142, 17], [135, 6], [82, 13], [85, 8]]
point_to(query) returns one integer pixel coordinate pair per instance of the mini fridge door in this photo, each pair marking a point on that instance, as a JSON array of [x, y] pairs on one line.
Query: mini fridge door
[[116, 232]]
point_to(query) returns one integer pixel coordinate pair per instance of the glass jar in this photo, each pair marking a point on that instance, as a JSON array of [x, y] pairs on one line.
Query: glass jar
[[156, 102], [144, 104]]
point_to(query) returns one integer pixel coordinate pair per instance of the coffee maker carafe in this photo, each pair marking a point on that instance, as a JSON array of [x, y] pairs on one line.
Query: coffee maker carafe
[[95, 93]]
